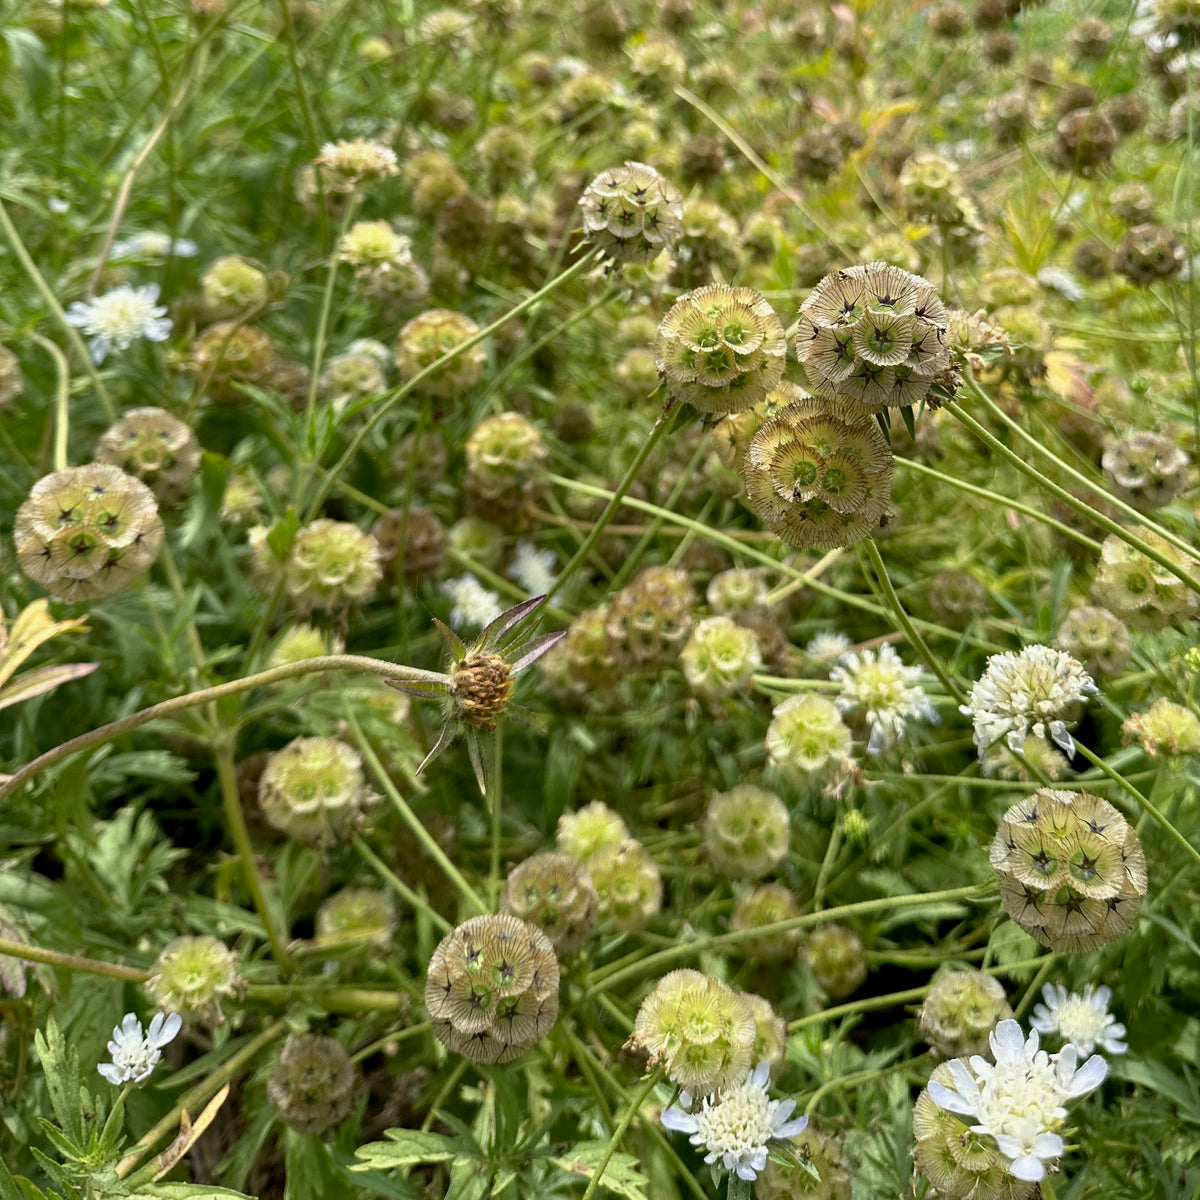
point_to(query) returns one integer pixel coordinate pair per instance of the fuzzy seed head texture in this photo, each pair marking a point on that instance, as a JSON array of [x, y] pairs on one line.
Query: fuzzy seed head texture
[[313, 790], [720, 657], [427, 338], [835, 956], [649, 620], [631, 213], [746, 832], [331, 564], [1097, 638], [1165, 728], [960, 1010], [628, 884], [192, 975], [155, 447], [766, 904]]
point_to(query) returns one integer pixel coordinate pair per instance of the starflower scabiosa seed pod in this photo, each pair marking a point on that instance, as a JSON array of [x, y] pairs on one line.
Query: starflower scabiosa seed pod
[[491, 990], [424, 551], [720, 349], [736, 1124], [698, 1029], [1018, 1101], [631, 213], [1082, 1021], [819, 475], [1070, 868], [192, 975], [1036, 690], [87, 532], [746, 832], [1145, 595], [313, 1084], [505, 459], [1149, 253], [1099, 640], [874, 335], [313, 789], [807, 737], [585, 662], [1084, 143], [720, 657], [427, 338], [346, 165], [360, 919], [227, 354], [766, 904], [154, 446], [232, 286], [1165, 728], [886, 692], [835, 956], [350, 377], [649, 621], [628, 883], [588, 830], [960, 1010], [1146, 469], [331, 563], [555, 893]]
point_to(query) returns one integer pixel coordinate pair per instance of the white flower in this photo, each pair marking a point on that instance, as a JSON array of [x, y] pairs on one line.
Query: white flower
[[1018, 1099], [1025, 693], [134, 1054], [1061, 280], [1081, 1021], [888, 691], [735, 1125], [119, 316], [153, 244], [533, 569], [827, 645], [352, 162], [474, 605]]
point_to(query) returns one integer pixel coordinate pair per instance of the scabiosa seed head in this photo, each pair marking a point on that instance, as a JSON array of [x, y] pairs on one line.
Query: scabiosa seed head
[[429, 336], [506, 153], [554, 892], [1033, 691], [1146, 469], [886, 692], [231, 285], [313, 789], [1099, 640], [930, 188], [835, 956], [746, 832], [628, 883], [766, 904], [491, 990], [191, 976], [11, 382], [698, 1029], [585, 832], [721, 349], [359, 919], [720, 657], [313, 1084], [1165, 728], [1070, 868], [424, 544], [87, 532], [807, 737], [585, 661], [819, 476], [631, 213], [349, 377], [1149, 253], [154, 446], [737, 592], [955, 597], [331, 563], [1145, 595], [786, 1180], [649, 621], [297, 643], [505, 457], [227, 354], [960, 1010]]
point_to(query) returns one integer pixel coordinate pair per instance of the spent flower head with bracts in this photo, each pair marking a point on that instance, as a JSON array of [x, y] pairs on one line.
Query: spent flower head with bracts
[[736, 1125], [1082, 1021], [888, 692], [477, 689], [118, 318], [1031, 691], [631, 213], [135, 1053]]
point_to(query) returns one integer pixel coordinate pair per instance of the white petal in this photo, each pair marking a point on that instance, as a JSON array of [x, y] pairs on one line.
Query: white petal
[[112, 1073], [1048, 1145], [1028, 1168], [1089, 1077], [679, 1121], [744, 1171], [1008, 1036], [761, 1075], [1042, 1021], [781, 1110], [1061, 738], [792, 1128], [943, 1097]]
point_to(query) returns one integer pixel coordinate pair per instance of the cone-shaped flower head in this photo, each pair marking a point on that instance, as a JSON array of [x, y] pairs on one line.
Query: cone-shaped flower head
[[631, 213], [492, 988], [1070, 868], [554, 892], [87, 532], [746, 832], [313, 1084], [156, 447], [721, 349]]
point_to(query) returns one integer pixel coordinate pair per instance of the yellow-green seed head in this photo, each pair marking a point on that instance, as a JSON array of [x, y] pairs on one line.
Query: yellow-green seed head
[[746, 832], [191, 976]]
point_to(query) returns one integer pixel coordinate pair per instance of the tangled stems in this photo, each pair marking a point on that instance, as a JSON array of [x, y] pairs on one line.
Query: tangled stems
[[607, 980], [631, 1110], [209, 695]]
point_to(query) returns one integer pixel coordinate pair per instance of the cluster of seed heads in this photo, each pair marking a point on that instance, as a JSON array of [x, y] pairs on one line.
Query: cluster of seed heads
[[632, 213]]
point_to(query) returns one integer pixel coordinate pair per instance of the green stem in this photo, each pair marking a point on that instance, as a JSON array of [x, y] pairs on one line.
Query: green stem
[[493, 798], [412, 821], [855, 1079], [1146, 803], [615, 499], [399, 886], [70, 962], [51, 301], [346, 999], [631, 1110], [308, 666], [231, 803], [1031, 992], [905, 622], [62, 410], [832, 847], [681, 951]]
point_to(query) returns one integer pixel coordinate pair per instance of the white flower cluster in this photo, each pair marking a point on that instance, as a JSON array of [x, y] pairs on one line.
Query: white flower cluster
[[533, 569], [135, 1054], [474, 605], [1027, 692], [1018, 1099], [119, 317], [734, 1126], [1081, 1021], [888, 691]]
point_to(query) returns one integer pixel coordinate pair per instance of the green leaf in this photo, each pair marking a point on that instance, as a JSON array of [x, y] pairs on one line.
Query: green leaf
[[404, 1148], [1159, 1078], [622, 1175], [283, 533], [309, 1173], [60, 1066], [188, 1191]]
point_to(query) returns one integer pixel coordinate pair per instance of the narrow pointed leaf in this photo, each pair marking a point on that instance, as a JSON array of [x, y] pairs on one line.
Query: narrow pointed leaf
[[444, 739], [481, 762], [422, 690], [531, 651], [492, 637], [44, 679], [909, 421], [458, 649], [33, 626]]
